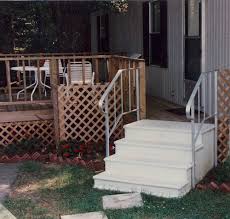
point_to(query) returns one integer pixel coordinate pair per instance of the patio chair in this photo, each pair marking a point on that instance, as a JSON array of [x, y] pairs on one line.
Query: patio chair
[[135, 55], [76, 72], [62, 71]]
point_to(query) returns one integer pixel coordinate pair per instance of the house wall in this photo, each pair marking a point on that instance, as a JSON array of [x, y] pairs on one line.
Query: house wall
[[168, 83], [216, 48], [126, 35]]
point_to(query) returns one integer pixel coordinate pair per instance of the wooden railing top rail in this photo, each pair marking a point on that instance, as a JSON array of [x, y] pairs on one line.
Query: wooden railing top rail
[[24, 57], [52, 54]]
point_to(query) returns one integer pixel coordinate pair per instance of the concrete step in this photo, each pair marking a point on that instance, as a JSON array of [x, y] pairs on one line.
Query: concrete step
[[166, 171], [162, 131], [140, 184], [155, 157], [141, 150]]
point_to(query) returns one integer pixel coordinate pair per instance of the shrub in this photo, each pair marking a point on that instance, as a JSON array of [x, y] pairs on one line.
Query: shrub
[[24, 146]]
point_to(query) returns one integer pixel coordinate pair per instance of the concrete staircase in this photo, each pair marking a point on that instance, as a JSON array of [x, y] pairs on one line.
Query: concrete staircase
[[155, 157]]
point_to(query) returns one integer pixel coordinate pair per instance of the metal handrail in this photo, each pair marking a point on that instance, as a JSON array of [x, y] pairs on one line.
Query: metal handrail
[[203, 100], [111, 89]]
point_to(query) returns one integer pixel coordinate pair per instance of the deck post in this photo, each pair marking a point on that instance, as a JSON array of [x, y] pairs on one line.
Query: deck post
[[113, 67], [8, 78], [54, 82], [142, 90]]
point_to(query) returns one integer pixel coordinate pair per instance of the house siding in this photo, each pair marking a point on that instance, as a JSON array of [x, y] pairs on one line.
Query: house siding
[[216, 48], [126, 30], [126, 35]]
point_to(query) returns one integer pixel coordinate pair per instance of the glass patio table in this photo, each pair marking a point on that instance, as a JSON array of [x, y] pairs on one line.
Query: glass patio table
[[36, 81]]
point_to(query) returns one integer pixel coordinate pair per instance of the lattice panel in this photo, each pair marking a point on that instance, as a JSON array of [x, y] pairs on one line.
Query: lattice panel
[[224, 114], [79, 114], [12, 132]]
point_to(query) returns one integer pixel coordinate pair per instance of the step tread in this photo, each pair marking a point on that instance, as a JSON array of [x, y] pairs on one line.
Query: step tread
[[183, 127], [140, 181], [156, 163], [152, 144]]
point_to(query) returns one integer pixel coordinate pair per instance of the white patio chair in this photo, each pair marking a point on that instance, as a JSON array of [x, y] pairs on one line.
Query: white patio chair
[[135, 55], [76, 72], [62, 71]]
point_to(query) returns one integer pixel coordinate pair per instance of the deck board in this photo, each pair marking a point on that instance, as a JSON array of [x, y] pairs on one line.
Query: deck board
[[30, 115]]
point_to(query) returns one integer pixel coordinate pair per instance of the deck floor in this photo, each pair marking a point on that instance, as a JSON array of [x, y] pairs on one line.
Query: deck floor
[[157, 110]]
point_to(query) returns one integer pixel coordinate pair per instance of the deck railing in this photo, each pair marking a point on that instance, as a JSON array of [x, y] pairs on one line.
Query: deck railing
[[26, 70], [23, 70]]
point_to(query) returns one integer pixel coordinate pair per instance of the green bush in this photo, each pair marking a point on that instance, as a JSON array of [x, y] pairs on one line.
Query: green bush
[[22, 147]]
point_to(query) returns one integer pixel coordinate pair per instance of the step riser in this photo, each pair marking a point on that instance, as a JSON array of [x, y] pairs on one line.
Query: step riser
[[159, 136], [151, 190], [152, 172], [151, 154]]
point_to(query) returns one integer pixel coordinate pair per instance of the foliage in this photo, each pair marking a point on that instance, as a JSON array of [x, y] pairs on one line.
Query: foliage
[[86, 151], [22, 147], [29, 25], [57, 190], [219, 174], [37, 26]]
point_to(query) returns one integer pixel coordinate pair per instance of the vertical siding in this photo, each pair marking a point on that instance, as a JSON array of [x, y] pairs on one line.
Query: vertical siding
[[217, 35], [168, 83], [126, 35], [176, 49], [93, 22], [126, 30]]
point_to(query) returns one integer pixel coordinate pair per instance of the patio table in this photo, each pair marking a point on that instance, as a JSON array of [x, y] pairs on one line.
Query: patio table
[[36, 81]]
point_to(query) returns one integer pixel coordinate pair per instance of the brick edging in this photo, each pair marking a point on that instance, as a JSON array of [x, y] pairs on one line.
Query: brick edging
[[224, 187]]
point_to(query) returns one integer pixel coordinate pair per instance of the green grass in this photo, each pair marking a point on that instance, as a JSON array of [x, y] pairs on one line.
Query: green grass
[[47, 191]]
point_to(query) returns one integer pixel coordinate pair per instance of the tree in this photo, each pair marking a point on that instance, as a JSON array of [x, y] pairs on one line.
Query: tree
[[56, 26]]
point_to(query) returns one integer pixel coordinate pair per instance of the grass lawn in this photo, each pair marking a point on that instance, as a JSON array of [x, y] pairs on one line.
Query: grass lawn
[[45, 191]]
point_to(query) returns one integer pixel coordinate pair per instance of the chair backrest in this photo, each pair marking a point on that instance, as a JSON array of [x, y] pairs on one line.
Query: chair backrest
[[47, 64], [76, 71], [135, 55]]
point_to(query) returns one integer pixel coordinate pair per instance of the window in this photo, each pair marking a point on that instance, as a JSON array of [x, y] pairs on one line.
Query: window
[[155, 32], [155, 17], [192, 39]]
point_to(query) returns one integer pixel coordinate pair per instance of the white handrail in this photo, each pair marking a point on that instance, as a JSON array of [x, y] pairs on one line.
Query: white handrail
[[111, 90], [202, 106]]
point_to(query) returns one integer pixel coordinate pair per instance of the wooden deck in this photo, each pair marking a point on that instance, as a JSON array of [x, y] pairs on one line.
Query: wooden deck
[[157, 109], [31, 115]]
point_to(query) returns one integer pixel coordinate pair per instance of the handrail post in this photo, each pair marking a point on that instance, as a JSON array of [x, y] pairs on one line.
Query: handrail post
[[193, 146], [138, 93], [216, 117], [107, 135]]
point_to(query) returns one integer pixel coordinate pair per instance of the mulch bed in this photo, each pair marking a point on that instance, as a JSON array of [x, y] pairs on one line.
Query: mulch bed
[[94, 165], [224, 187]]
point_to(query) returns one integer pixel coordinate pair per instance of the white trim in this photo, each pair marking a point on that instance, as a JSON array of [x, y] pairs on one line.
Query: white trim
[[150, 24], [203, 33], [183, 49]]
